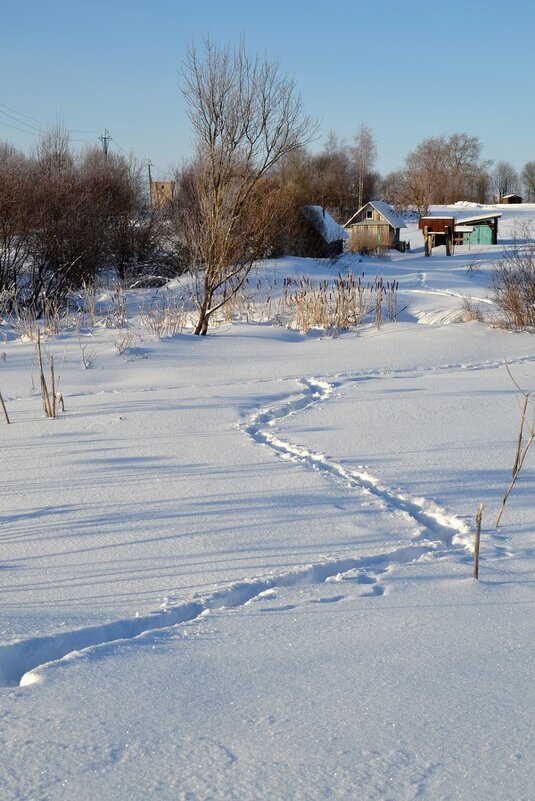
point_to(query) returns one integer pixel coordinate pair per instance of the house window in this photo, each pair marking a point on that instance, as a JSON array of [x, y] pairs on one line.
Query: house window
[[369, 215]]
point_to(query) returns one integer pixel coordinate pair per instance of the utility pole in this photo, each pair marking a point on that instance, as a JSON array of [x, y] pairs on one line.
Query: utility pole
[[149, 165], [105, 139]]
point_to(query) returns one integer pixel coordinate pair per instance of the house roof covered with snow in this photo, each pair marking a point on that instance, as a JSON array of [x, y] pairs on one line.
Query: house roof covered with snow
[[466, 217], [465, 213], [384, 209], [324, 224]]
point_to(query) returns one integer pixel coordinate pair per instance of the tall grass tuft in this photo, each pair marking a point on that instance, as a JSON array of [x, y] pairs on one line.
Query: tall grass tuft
[[52, 400]]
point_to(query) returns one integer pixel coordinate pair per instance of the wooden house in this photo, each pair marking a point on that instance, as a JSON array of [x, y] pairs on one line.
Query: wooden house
[[507, 199], [450, 227], [375, 226]]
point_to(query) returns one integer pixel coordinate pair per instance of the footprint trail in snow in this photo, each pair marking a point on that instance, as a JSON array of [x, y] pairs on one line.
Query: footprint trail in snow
[[435, 532], [430, 520]]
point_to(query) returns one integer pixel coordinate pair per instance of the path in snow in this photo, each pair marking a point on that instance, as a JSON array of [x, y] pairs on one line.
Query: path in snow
[[430, 519], [23, 663], [435, 532]]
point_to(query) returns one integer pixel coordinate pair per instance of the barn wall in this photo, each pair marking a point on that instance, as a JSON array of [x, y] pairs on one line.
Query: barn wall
[[370, 237]]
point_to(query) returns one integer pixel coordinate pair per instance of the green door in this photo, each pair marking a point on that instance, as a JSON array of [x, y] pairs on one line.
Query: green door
[[481, 235]]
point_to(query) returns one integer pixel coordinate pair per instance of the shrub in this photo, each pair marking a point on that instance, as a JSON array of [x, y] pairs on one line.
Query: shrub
[[513, 284]]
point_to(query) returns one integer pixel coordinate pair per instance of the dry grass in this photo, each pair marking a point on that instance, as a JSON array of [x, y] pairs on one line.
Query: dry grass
[[477, 540], [337, 305], [513, 283], [470, 310], [166, 317], [52, 399], [24, 322], [116, 312], [526, 435], [334, 305]]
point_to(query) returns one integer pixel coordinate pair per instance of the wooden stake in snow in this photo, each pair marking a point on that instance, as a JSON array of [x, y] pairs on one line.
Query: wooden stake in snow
[[479, 516], [4, 408]]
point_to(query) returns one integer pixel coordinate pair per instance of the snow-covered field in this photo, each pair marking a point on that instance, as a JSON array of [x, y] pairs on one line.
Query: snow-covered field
[[239, 567]]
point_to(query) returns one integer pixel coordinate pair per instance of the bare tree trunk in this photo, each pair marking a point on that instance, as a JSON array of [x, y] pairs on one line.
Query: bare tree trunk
[[202, 324]]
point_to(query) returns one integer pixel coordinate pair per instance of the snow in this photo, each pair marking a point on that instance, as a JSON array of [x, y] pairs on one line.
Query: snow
[[325, 224], [239, 566], [465, 212]]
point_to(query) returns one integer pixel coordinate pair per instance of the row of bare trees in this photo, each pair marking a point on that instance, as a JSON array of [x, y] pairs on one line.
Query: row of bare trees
[[339, 178], [440, 170], [445, 169]]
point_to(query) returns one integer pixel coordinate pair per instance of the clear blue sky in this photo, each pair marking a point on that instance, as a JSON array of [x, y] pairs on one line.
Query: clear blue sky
[[408, 70]]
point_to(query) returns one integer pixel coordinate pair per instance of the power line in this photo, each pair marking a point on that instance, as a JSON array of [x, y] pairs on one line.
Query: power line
[[119, 146], [38, 133], [14, 127], [32, 130], [20, 114], [40, 122], [21, 122]]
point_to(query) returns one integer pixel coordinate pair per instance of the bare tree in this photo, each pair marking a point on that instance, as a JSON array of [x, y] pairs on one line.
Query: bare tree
[[528, 180], [365, 155], [425, 172], [443, 170], [18, 220], [327, 178], [129, 232], [504, 179], [53, 151], [512, 282], [394, 188], [466, 172], [246, 116], [525, 437], [63, 217]]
